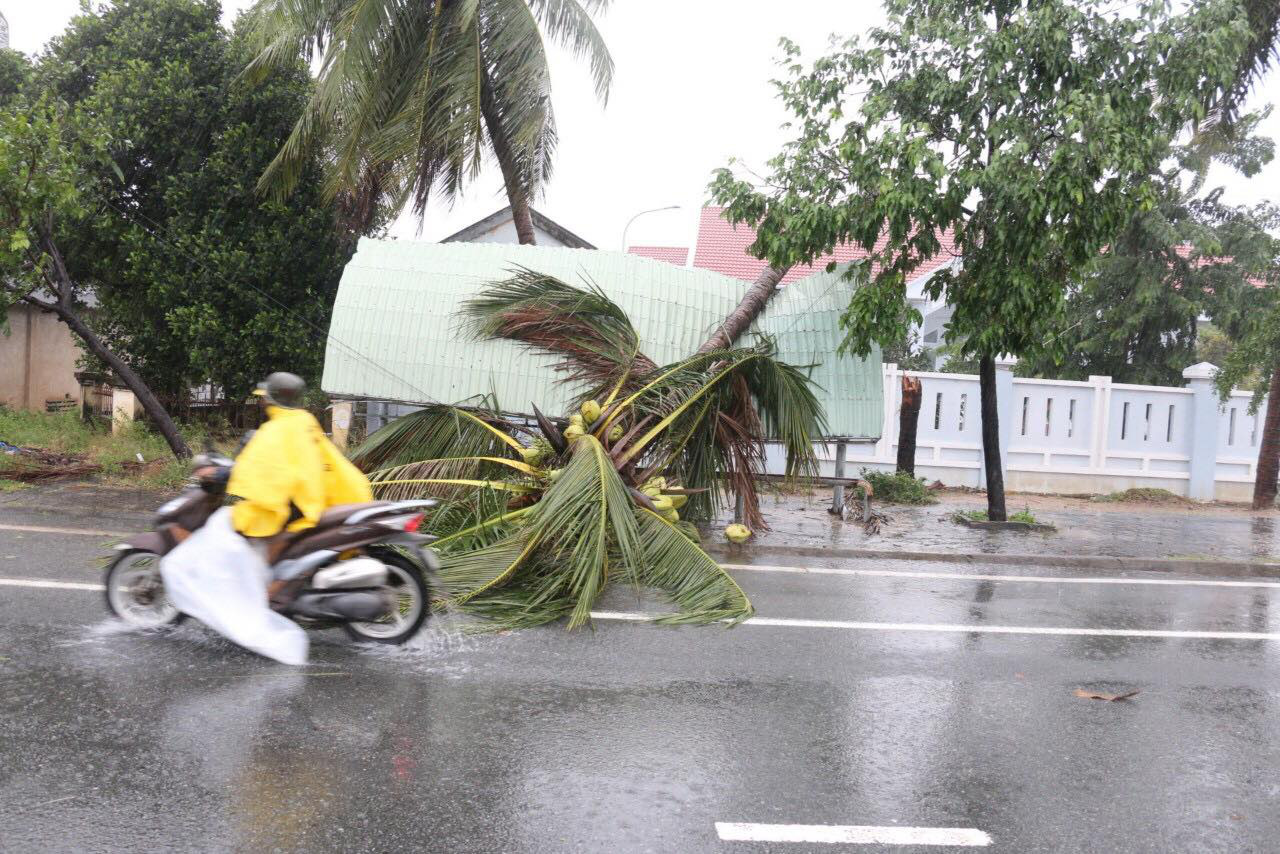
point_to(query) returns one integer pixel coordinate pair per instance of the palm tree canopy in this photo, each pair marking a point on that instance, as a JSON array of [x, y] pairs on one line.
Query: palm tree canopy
[[418, 92], [537, 520]]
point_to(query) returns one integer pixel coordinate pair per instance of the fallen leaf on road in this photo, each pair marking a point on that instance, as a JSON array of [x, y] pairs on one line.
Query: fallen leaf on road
[[1099, 695]]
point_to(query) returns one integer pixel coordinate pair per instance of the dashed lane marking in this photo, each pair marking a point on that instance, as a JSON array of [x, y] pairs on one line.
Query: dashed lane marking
[[79, 532], [852, 834]]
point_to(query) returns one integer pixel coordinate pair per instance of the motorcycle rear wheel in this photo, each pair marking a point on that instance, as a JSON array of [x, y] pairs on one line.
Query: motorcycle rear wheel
[[412, 594], [135, 591]]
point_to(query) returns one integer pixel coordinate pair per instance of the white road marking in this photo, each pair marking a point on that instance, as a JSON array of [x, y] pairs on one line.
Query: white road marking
[[788, 622], [852, 834], [41, 529], [52, 585], [961, 628], [852, 573], [963, 576]]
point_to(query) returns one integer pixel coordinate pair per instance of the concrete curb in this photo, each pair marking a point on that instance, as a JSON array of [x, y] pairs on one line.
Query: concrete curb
[[1221, 566]]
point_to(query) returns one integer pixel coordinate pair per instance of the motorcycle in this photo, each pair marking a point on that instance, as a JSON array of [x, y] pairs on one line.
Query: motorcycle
[[363, 567]]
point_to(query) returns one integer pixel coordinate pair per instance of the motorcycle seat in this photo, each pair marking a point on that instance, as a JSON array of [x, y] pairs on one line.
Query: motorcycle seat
[[339, 513]]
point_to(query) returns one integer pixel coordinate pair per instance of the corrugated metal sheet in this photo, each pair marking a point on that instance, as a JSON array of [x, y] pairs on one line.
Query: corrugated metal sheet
[[396, 334]]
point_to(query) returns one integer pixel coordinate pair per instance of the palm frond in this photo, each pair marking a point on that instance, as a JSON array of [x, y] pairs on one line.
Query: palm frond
[[467, 575], [380, 485], [569, 23], [699, 586], [583, 518], [435, 432], [1261, 50], [715, 422], [472, 520], [458, 536], [599, 346]]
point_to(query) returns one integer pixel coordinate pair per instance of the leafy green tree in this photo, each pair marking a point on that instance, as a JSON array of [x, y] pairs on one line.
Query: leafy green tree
[[15, 73], [1252, 322], [198, 278], [46, 180], [412, 96], [1028, 128], [1134, 315]]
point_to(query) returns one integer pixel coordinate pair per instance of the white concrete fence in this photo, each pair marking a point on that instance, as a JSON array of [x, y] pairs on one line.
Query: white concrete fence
[[1060, 436]]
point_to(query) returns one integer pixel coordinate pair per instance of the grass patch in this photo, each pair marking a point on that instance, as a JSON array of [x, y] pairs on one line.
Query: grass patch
[[11, 486], [1146, 495], [117, 454], [898, 488], [1023, 515]]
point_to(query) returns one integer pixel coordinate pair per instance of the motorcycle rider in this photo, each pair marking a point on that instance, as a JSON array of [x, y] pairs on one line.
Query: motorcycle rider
[[285, 477], [289, 473]]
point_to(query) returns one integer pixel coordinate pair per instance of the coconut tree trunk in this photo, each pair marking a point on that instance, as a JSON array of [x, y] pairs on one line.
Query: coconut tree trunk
[[908, 421], [60, 279], [522, 217], [991, 441], [1268, 468], [753, 302], [516, 176]]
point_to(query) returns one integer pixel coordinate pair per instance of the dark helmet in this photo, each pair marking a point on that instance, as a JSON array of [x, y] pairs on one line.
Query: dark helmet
[[283, 389]]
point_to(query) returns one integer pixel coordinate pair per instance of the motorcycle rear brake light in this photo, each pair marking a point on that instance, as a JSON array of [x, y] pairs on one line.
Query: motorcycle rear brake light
[[413, 524]]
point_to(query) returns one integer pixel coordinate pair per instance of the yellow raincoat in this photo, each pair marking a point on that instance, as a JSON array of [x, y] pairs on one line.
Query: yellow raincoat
[[289, 463]]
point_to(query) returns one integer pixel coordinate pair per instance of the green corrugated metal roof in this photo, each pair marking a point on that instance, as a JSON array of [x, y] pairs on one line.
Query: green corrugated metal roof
[[395, 331]]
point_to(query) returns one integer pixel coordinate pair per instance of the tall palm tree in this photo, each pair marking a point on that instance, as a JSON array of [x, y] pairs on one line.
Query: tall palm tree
[[413, 95]]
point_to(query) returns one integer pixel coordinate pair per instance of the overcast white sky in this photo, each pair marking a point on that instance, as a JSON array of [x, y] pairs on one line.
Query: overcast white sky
[[691, 91]]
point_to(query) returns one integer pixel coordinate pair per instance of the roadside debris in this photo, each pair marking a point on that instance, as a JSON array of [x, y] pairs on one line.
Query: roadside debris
[[30, 465], [1100, 695], [857, 493]]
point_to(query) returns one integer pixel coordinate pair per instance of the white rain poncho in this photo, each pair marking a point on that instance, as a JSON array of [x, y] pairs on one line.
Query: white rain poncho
[[216, 576]]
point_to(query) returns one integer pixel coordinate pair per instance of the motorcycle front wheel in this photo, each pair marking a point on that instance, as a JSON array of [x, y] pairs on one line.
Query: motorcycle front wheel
[[411, 595], [135, 591]]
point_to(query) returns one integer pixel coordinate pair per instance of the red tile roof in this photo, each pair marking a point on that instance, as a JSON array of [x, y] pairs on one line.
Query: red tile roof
[[677, 255], [723, 247]]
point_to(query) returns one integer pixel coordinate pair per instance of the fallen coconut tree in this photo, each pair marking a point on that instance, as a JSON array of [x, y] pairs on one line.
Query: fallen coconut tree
[[538, 514]]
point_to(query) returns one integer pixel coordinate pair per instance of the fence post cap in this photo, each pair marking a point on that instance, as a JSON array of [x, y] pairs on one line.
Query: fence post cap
[[1201, 371]]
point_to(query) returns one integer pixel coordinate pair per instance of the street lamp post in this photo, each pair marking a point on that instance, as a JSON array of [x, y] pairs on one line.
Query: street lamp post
[[637, 216]]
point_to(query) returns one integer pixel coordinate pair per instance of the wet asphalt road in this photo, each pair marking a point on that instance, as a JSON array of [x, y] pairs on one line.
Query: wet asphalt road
[[638, 738]]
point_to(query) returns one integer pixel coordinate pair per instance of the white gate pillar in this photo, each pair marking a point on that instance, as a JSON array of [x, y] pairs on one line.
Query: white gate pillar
[[1204, 430]]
